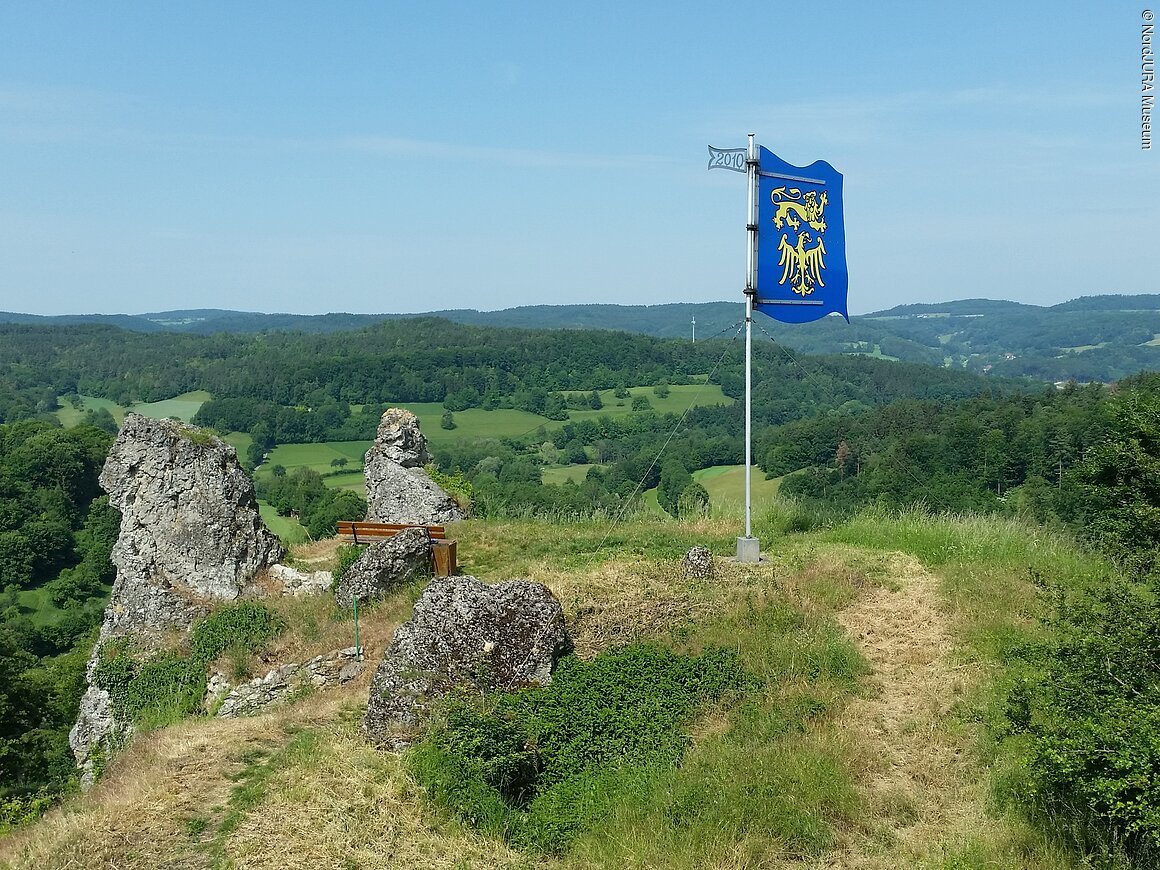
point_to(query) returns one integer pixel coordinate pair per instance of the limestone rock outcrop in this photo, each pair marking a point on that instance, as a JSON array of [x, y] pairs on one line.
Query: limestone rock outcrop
[[463, 633], [189, 516], [384, 566], [280, 684], [299, 583], [190, 537], [398, 489]]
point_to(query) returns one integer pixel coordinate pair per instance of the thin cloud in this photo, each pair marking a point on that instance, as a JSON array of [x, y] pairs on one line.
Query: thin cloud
[[397, 146]]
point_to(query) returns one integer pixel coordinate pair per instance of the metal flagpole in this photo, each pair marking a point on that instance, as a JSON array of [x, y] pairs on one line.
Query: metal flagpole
[[749, 548]]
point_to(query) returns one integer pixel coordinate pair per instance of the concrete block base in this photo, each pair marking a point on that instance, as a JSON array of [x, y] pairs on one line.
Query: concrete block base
[[748, 550]]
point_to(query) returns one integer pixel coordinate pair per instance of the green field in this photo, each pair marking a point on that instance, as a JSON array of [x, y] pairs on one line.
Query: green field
[[680, 397], [70, 416], [183, 407], [38, 606], [474, 423], [352, 480], [317, 457], [726, 487], [575, 473], [240, 441], [289, 530]]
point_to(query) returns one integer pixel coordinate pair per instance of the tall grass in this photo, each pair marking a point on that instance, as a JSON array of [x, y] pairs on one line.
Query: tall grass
[[762, 782]]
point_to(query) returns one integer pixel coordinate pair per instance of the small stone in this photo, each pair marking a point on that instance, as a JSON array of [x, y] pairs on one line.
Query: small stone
[[698, 563]]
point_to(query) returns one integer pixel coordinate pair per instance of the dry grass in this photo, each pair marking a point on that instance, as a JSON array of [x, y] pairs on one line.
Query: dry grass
[[349, 806], [914, 778], [315, 555], [137, 815]]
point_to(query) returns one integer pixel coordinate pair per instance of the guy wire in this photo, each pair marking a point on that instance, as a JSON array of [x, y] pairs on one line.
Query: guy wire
[[624, 507]]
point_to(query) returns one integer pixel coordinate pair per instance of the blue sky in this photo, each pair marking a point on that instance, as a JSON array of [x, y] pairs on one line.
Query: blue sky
[[384, 157]]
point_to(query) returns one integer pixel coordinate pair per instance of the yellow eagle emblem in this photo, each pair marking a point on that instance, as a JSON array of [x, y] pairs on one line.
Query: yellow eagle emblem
[[802, 266]]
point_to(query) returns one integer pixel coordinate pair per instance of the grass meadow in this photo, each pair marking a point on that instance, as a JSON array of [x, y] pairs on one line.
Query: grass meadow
[[183, 407]]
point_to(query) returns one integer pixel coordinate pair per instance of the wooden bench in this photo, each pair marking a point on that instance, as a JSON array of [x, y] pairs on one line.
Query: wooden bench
[[442, 550]]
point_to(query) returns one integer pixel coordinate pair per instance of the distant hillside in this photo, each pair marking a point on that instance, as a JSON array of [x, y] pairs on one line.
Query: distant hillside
[[1093, 338]]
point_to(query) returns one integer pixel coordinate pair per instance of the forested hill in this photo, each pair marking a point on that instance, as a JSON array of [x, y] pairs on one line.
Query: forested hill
[[429, 360], [1093, 338]]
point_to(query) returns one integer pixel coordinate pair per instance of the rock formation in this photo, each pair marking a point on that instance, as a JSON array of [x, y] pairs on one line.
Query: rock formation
[[324, 671], [384, 566], [298, 583], [398, 490], [463, 633], [190, 537], [188, 512]]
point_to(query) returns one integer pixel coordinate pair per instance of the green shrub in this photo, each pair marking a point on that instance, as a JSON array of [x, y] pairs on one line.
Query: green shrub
[[246, 623], [167, 686], [346, 555], [17, 810], [455, 485], [164, 689], [156, 691], [1094, 719], [540, 766]]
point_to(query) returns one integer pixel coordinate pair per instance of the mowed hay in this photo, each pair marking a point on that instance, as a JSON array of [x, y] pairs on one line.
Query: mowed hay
[[138, 815], [345, 805], [919, 787]]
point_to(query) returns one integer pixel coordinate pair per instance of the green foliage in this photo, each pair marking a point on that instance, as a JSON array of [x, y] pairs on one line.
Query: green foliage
[[321, 521], [455, 485], [21, 809], [100, 418], [319, 507], [693, 501], [248, 624], [164, 689], [1116, 498], [538, 767], [55, 539], [447, 421], [345, 556], [201, 437], [1094, 717], [674, 480], [168, 685]]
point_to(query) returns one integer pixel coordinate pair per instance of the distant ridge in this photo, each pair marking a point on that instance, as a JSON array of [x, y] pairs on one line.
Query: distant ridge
[[1090, 338]]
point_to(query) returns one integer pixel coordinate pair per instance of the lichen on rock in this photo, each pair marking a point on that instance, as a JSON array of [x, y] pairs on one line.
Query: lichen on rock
[[463, 633], [384, 566], [190, 537], [398, 489]]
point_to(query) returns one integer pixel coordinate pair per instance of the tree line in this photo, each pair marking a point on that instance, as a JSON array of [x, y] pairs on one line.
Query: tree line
[[56, 534]]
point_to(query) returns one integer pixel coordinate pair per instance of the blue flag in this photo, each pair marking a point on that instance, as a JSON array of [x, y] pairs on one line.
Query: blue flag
[[801, 241]]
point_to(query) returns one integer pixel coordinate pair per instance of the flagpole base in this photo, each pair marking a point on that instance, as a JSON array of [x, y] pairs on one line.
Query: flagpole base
[[748, 550]]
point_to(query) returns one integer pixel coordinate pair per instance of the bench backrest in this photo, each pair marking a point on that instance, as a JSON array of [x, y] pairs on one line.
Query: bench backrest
[[367, 530]]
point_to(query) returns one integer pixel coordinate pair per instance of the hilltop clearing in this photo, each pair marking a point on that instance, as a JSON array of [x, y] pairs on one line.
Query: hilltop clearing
[[878, 653]]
